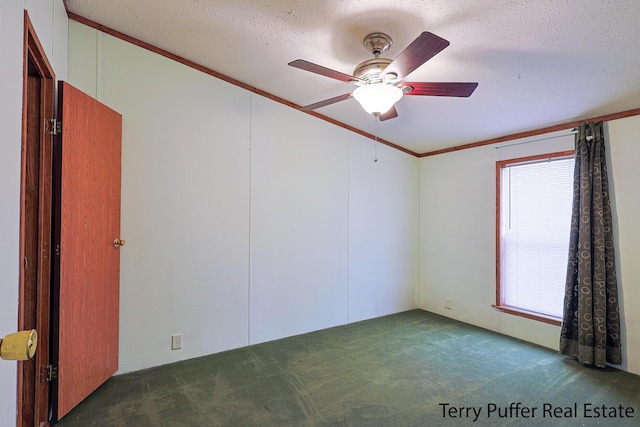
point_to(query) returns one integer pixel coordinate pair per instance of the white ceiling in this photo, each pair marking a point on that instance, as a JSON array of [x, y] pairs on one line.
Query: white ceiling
[[538, 62]]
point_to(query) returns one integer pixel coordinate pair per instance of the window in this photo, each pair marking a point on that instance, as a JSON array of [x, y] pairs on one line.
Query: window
[[534, 195]]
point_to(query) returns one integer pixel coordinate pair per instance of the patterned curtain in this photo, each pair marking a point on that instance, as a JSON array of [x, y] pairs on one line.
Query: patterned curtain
[[591, 323]]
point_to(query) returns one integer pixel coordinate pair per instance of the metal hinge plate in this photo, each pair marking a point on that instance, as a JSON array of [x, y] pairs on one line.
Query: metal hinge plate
[[52, 126], [48, 373]]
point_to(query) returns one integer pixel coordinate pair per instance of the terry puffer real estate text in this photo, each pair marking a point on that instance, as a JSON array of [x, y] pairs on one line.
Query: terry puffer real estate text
[[546, 410]]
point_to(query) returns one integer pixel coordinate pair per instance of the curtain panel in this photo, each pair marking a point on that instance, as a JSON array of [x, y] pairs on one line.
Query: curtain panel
[[591, 321]]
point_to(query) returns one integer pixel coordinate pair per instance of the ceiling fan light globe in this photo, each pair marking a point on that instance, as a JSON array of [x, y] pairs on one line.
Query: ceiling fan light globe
[[377, 98]]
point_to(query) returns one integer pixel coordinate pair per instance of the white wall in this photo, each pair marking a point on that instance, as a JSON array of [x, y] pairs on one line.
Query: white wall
[[10, 143], [383, 250], [50, 22], [624, 176], [333, 233], [245, 220], [185, 204], [299, 222], [457, 235]]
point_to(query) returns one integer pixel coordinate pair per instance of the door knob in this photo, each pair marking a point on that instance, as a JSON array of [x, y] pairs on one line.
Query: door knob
[[118, 242], [19, 346]]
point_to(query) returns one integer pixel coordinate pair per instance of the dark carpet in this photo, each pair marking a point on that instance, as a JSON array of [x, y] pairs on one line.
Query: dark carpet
[[408, 369]]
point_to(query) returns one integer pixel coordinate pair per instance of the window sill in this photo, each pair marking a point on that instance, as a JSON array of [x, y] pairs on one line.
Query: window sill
[[529, 315]]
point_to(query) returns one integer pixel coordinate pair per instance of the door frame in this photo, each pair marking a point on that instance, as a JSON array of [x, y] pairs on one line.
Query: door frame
[[34, 309]]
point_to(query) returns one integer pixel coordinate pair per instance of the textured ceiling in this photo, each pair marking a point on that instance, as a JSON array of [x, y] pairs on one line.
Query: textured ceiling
[[538, 62]]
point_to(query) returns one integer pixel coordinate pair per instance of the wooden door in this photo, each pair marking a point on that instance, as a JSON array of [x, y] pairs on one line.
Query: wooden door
[[87, 265]]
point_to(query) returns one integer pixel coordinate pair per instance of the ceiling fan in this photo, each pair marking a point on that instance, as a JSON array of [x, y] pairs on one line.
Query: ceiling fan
[[380, 80]]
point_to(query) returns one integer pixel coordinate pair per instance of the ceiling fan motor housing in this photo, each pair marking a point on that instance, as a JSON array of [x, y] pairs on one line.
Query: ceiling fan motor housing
[[369, 71]]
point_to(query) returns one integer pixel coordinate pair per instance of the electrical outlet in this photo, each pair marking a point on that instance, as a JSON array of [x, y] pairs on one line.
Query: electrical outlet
[[176, 342], [447, 303]]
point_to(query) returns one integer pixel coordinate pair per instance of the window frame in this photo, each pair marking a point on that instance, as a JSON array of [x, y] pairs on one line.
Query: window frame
[[501, 164]]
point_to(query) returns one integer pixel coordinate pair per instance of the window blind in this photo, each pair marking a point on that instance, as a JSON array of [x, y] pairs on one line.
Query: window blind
[[535, 219]]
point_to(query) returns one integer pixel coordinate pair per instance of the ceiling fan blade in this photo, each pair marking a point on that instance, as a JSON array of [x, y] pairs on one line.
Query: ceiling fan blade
[[326, 102], [422, 49], [462, 90], [391, 114], [323, 71]]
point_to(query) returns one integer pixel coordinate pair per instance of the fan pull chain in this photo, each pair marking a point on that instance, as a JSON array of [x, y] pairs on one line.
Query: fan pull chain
[[376, 136]]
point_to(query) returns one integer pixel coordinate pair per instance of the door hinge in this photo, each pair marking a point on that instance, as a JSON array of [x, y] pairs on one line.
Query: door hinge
[[58, 250], [48, 373], [52, 126]]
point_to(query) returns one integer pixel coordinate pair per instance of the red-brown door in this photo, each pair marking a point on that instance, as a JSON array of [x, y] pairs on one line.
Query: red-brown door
[[87, 264]]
